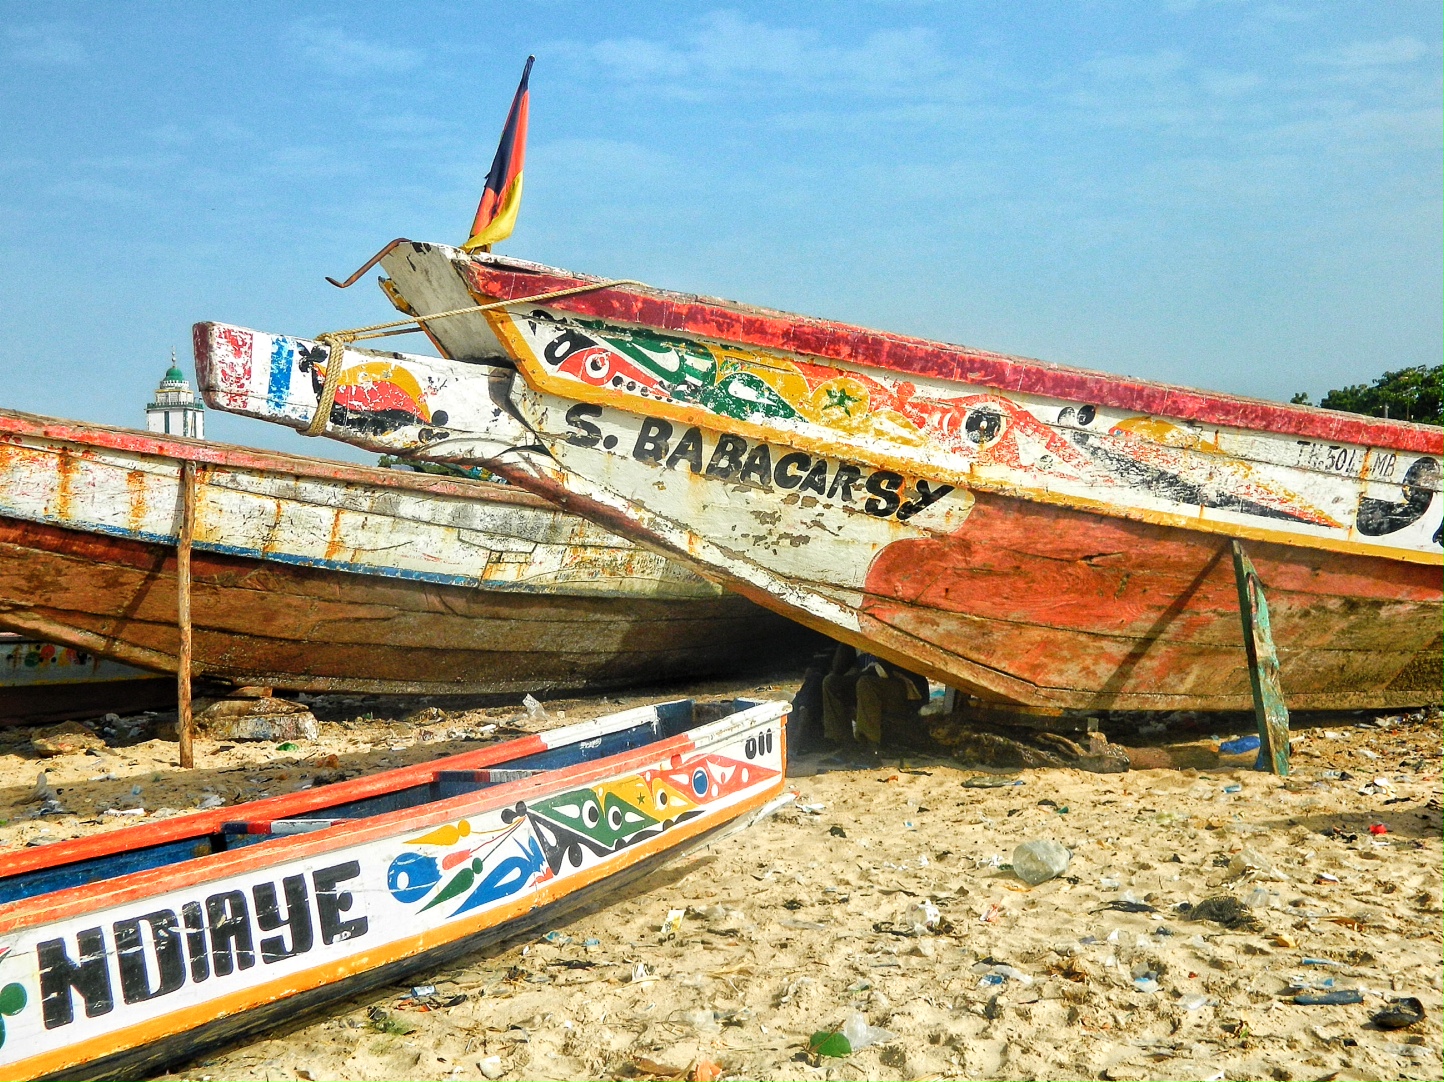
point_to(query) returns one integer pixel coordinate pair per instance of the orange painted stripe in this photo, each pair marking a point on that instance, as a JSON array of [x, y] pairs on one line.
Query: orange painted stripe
[[168, 1025]]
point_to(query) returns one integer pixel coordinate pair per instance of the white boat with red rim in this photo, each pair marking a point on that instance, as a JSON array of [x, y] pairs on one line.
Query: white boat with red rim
[[318, 576], [124, 952]]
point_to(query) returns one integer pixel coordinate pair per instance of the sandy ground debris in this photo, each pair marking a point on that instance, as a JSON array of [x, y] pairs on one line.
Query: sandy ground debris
[[792, 926]]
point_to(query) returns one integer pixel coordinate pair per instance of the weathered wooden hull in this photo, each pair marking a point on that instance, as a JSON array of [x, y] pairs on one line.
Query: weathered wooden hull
[[318, 576], [1027, 533], [126, 951], [43, 681]]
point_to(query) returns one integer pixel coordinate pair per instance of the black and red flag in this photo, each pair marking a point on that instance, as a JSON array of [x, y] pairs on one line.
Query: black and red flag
[[496, 214]]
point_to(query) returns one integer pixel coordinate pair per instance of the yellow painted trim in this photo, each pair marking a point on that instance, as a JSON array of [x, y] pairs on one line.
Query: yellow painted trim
[[176, 1022], [537, 377]]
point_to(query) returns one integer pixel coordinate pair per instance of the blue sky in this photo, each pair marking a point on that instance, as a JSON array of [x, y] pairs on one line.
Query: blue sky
[[1237, 195]]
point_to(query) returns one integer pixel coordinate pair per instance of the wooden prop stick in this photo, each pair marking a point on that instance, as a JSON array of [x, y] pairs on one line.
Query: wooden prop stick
[[1269, 708], [183, 613]]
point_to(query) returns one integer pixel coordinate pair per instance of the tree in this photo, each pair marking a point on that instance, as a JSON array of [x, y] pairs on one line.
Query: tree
[[1410, 394]]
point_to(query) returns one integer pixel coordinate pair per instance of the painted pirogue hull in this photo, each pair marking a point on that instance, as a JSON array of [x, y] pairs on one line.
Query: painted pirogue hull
[[129, 950], [319, 576], [1028, 533], [44, 681]]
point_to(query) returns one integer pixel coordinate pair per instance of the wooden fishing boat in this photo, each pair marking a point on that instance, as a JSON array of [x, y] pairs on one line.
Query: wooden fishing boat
[[321, 576], [1027, 533], [125, 951], [44, 681]]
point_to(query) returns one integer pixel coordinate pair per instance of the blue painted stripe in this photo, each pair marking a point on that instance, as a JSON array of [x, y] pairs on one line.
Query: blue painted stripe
[[283, 359]]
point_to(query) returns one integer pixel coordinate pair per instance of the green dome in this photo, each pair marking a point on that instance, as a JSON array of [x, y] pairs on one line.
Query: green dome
[[174, 375]]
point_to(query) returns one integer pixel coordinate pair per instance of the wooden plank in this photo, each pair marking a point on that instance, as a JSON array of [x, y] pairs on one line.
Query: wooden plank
[[185, 725], [1270, 710], [317, 630]]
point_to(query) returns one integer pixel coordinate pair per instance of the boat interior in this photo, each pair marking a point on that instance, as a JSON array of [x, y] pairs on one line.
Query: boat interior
[[443, 779]]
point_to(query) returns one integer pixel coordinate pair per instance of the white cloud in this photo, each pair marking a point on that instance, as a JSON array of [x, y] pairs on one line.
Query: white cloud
[[728, 51], [341, 54], [1373, 54], [94, 190], [48, 43], [1152, 67]]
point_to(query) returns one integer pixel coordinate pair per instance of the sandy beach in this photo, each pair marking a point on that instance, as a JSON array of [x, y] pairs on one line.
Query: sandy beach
[[823, 912]]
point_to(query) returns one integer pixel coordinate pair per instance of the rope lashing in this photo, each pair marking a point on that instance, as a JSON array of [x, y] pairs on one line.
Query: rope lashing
[[336, 342]]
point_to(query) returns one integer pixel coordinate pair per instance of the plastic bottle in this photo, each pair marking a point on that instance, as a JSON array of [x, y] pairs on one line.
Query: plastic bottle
[[1038, 861]]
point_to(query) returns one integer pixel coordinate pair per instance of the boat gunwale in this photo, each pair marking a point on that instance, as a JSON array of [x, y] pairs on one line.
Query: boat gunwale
[[15, 423], [510, 279], [71, 902], [305, 800]]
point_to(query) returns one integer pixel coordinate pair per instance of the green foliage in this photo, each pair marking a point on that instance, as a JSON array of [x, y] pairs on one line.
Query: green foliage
[[1410, 394]]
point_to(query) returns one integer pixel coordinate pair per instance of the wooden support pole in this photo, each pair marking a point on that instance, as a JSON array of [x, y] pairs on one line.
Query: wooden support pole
[[1269, 709], [184, 725]]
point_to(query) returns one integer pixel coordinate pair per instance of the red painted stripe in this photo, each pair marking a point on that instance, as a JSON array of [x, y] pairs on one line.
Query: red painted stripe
[[16, 424], [494, 277], [61, 905]]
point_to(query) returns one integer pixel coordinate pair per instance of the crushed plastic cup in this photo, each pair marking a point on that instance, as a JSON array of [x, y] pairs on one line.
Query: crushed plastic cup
[[1193, 1002], [1378, 828], [1013, 974], [859, 1034], [1109, 883], [1145, 984], [924, 915], [1038, 861], [701, 1019], [1247, 862], [534, 709]]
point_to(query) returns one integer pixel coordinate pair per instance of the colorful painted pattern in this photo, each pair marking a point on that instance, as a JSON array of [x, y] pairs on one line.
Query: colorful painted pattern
[[466, 864], [28, 663], [978, 432]]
